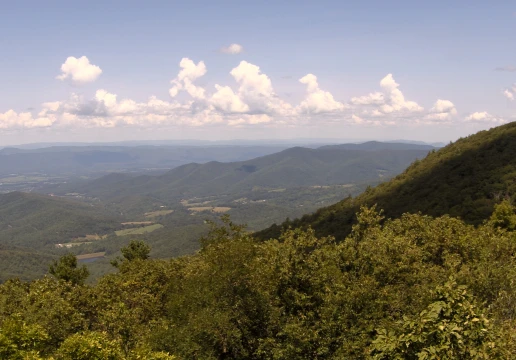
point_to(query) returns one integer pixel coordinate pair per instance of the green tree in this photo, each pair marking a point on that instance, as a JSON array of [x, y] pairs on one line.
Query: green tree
[[66, 269], [503, 216], [89, 346], [451, 327], [19, 340], [136, 250]]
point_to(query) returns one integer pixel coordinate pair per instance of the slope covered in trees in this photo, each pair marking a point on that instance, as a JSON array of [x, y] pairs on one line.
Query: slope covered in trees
[[34, 220], [411, 288], [32, 224], [464, 179], [294, 167]]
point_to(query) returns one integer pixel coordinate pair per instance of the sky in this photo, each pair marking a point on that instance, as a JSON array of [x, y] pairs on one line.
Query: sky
[[219, 70]]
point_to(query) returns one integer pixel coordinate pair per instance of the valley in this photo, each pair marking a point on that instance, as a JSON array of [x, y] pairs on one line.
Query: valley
[[169, 209]]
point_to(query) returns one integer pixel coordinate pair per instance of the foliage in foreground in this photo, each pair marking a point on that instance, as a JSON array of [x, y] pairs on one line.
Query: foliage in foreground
[[410, 288]]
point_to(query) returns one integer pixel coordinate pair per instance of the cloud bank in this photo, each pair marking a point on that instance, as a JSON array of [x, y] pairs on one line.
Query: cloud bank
[[249, 101]]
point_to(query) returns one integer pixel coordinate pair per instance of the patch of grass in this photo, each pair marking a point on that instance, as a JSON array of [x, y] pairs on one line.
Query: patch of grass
[[91, 256], [158, 213], [216, 209], [72, 244], [89, 237], [138, 230], [138, 223]]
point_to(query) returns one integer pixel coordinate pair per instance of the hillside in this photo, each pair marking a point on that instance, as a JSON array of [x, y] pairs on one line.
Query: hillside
[[464, 179], [293, 167], [37, 221]]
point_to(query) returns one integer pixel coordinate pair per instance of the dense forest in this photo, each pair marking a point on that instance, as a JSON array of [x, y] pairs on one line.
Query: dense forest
[[416, 287]]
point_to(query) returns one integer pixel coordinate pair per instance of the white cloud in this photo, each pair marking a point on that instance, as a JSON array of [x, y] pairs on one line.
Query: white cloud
[[25, 120], [79, 71], [484, 117], [376, 98], [226, 100], [250, 101], [232, 49], [184, 80], [318, 101], [508, 94], [256, 91], [443, 110], [389, 101], [357, 119], [443, 106]]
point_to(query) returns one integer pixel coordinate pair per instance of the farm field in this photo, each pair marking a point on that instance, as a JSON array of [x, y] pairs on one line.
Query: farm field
[[138, 230], [158, 213], [216, 209]]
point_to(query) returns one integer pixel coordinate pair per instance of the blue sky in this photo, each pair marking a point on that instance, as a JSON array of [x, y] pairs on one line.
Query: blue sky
[[371, 69]]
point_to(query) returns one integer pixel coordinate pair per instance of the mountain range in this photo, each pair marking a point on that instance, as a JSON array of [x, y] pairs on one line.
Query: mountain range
[[89, 214], [464, 179], [293, 167]]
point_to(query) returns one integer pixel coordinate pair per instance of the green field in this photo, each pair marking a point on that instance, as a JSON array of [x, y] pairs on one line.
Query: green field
[[138, 230], [158, 213]]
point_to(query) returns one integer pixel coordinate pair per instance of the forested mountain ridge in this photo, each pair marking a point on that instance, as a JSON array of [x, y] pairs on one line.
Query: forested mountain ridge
[[378, 145], [289, 168], [464, 179]]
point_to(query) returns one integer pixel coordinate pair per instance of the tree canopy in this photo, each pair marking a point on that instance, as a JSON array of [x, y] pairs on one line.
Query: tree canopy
[[410, 288]]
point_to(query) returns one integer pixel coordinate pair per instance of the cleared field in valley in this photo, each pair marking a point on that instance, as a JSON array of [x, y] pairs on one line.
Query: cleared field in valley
[[158, 213], [216, 209], [138, 230]]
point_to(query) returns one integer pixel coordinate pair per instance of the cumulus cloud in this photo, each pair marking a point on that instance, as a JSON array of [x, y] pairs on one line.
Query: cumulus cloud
[[226, 100], [187, 75], [232, 49], [13, 120], [317, 100], [510, 92], [484, 117], [357, 119], [390, 100], [79, 71], [256, 91], [443, 110], [249, 101]]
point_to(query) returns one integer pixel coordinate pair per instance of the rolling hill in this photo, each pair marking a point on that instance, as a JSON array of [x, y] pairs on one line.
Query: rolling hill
[[294, 167], [464, 179], [39, 221]]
